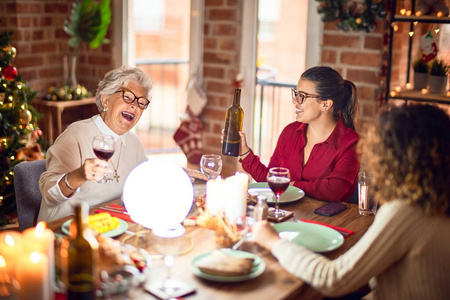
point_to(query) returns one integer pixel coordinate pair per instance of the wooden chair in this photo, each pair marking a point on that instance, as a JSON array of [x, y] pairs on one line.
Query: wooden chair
[[26, 188]]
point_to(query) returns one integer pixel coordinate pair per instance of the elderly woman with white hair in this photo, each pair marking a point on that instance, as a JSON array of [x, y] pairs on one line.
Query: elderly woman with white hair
[[72, 167]]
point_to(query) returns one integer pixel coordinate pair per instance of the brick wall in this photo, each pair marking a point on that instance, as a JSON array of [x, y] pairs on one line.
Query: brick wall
[[222, 27], [41, 44], [358, 57]]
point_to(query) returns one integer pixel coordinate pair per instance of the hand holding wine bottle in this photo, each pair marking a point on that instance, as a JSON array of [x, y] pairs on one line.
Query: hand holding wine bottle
[[233, 125]]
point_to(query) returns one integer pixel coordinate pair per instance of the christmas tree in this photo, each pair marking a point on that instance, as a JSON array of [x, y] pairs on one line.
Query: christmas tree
[[18, 126]]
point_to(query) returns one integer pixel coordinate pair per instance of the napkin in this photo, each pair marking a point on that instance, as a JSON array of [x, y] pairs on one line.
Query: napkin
[[117, 211], [344, 231]]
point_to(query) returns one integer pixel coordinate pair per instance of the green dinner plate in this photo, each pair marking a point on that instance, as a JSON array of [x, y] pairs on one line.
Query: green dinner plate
[[258, 267], [291, 194], [123, 226], [315, 237]]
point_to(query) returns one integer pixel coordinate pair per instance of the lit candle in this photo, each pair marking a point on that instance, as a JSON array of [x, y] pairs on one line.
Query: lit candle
[[41, 239], [242, 186], [424, 91], [235, 200], [33, 277], [448, 93], [214, 195], [393, 93], [398, 89], [408, 86], [403, 11], [10, 250], [7, 287]]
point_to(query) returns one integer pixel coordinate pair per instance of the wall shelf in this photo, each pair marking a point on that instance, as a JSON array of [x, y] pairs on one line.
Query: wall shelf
[[405, 94]]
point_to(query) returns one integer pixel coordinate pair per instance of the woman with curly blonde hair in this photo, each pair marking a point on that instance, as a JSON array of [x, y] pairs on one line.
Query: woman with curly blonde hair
[[405, 253]]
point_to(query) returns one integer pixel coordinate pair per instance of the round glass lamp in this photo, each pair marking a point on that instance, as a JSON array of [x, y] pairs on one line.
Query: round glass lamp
[[158, 195]]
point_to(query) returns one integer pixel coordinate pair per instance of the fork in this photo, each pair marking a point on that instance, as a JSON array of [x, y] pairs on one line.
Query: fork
[[116, 210]]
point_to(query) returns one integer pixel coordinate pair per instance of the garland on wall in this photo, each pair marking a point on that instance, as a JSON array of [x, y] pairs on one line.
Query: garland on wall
[[355, 16]]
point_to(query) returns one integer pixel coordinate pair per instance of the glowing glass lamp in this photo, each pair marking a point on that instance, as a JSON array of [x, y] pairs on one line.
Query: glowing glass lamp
[[158, 195]]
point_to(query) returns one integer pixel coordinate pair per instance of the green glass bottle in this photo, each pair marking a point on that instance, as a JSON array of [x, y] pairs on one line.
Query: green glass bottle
[[82, 257], [233, 124]]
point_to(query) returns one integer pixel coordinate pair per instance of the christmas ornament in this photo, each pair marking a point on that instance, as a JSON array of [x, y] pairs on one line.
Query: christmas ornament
[[10, 50], [24, 116], [428, 46], [9, 73]]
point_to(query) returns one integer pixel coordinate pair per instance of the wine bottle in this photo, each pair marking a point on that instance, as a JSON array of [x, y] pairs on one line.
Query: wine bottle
[[82, 257], [233, 124]]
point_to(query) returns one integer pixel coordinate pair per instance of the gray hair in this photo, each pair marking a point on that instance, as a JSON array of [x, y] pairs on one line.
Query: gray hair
[[121, 77]]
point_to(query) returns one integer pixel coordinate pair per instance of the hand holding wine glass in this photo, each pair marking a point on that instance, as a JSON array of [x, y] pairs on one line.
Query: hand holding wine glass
[[211, 165], [104, 147], [278, 179]]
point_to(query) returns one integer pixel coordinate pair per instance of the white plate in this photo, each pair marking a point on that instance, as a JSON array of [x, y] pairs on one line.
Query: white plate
[[291, 194], [315, 237], [258, 267]]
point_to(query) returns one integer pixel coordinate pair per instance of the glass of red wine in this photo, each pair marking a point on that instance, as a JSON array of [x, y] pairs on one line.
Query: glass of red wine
[[278, 179], [104, 146]]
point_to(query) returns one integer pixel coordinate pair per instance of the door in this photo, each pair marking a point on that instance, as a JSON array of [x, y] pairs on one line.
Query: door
[[281, 38], [163, 37]]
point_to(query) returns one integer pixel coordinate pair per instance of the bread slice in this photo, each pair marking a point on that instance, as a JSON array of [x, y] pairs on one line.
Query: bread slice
[[220, 263]]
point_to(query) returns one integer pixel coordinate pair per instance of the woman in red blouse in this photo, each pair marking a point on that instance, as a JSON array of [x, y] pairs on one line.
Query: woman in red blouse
[[319, 148]]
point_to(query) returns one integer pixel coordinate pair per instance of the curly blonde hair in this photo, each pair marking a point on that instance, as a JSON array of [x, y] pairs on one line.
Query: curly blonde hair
[[409, 151]]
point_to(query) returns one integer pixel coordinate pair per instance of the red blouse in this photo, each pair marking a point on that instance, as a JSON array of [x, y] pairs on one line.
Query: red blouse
[[331, 171]]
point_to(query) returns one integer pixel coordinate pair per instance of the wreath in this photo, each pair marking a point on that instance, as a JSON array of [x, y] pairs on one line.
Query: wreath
[[356, 16]]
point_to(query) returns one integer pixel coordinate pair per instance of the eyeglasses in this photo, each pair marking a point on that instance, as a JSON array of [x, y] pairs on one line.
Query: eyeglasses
[[129, 97], [298, 97]]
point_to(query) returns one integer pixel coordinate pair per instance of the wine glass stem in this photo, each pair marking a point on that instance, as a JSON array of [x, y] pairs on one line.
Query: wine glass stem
[[277, 204]]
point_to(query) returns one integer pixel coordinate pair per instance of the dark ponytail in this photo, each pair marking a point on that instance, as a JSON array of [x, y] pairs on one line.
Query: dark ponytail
[[330, 85]]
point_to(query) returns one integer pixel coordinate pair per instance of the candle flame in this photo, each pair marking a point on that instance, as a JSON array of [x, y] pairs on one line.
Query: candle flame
[[424, 91], [411, 33], [2, 262], [439, 14], [9, 240], [398, 89], [408, 86], [34, 257], [40, 228], [403, 11], [408, 13], [418, 13]]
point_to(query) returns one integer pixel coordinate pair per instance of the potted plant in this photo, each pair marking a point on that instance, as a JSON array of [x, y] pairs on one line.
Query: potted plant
[[89, 22], [438, 76], [420, 74]]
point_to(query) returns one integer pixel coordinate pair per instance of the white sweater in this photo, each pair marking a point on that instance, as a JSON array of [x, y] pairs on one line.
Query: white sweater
[[403, 255], [69, 152]]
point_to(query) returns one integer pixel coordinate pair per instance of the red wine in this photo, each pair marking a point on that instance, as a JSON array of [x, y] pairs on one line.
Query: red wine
[[103, 154], [278, 184]]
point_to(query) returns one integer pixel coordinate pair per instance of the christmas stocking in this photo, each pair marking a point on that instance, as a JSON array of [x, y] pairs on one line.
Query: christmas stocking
[[428, 46], [189, 137]]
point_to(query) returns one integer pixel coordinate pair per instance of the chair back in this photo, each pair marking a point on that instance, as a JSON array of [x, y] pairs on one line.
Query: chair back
[[28, 195]]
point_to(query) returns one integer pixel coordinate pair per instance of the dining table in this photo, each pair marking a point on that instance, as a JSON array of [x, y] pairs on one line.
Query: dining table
[[274, 283]]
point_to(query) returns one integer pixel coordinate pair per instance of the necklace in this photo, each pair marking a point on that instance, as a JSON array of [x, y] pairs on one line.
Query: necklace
[[116, 174]]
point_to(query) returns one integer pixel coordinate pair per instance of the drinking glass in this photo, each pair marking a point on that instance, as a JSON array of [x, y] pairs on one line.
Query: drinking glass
[[168, 247], [278, 179], [104, 146], [211, 165]]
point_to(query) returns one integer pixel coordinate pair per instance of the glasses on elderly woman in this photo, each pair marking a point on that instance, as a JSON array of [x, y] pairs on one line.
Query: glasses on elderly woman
[[298, 97], [129, 97]]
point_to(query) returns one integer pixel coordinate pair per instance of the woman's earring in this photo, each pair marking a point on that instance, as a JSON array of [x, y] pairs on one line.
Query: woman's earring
[[105, 108]]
